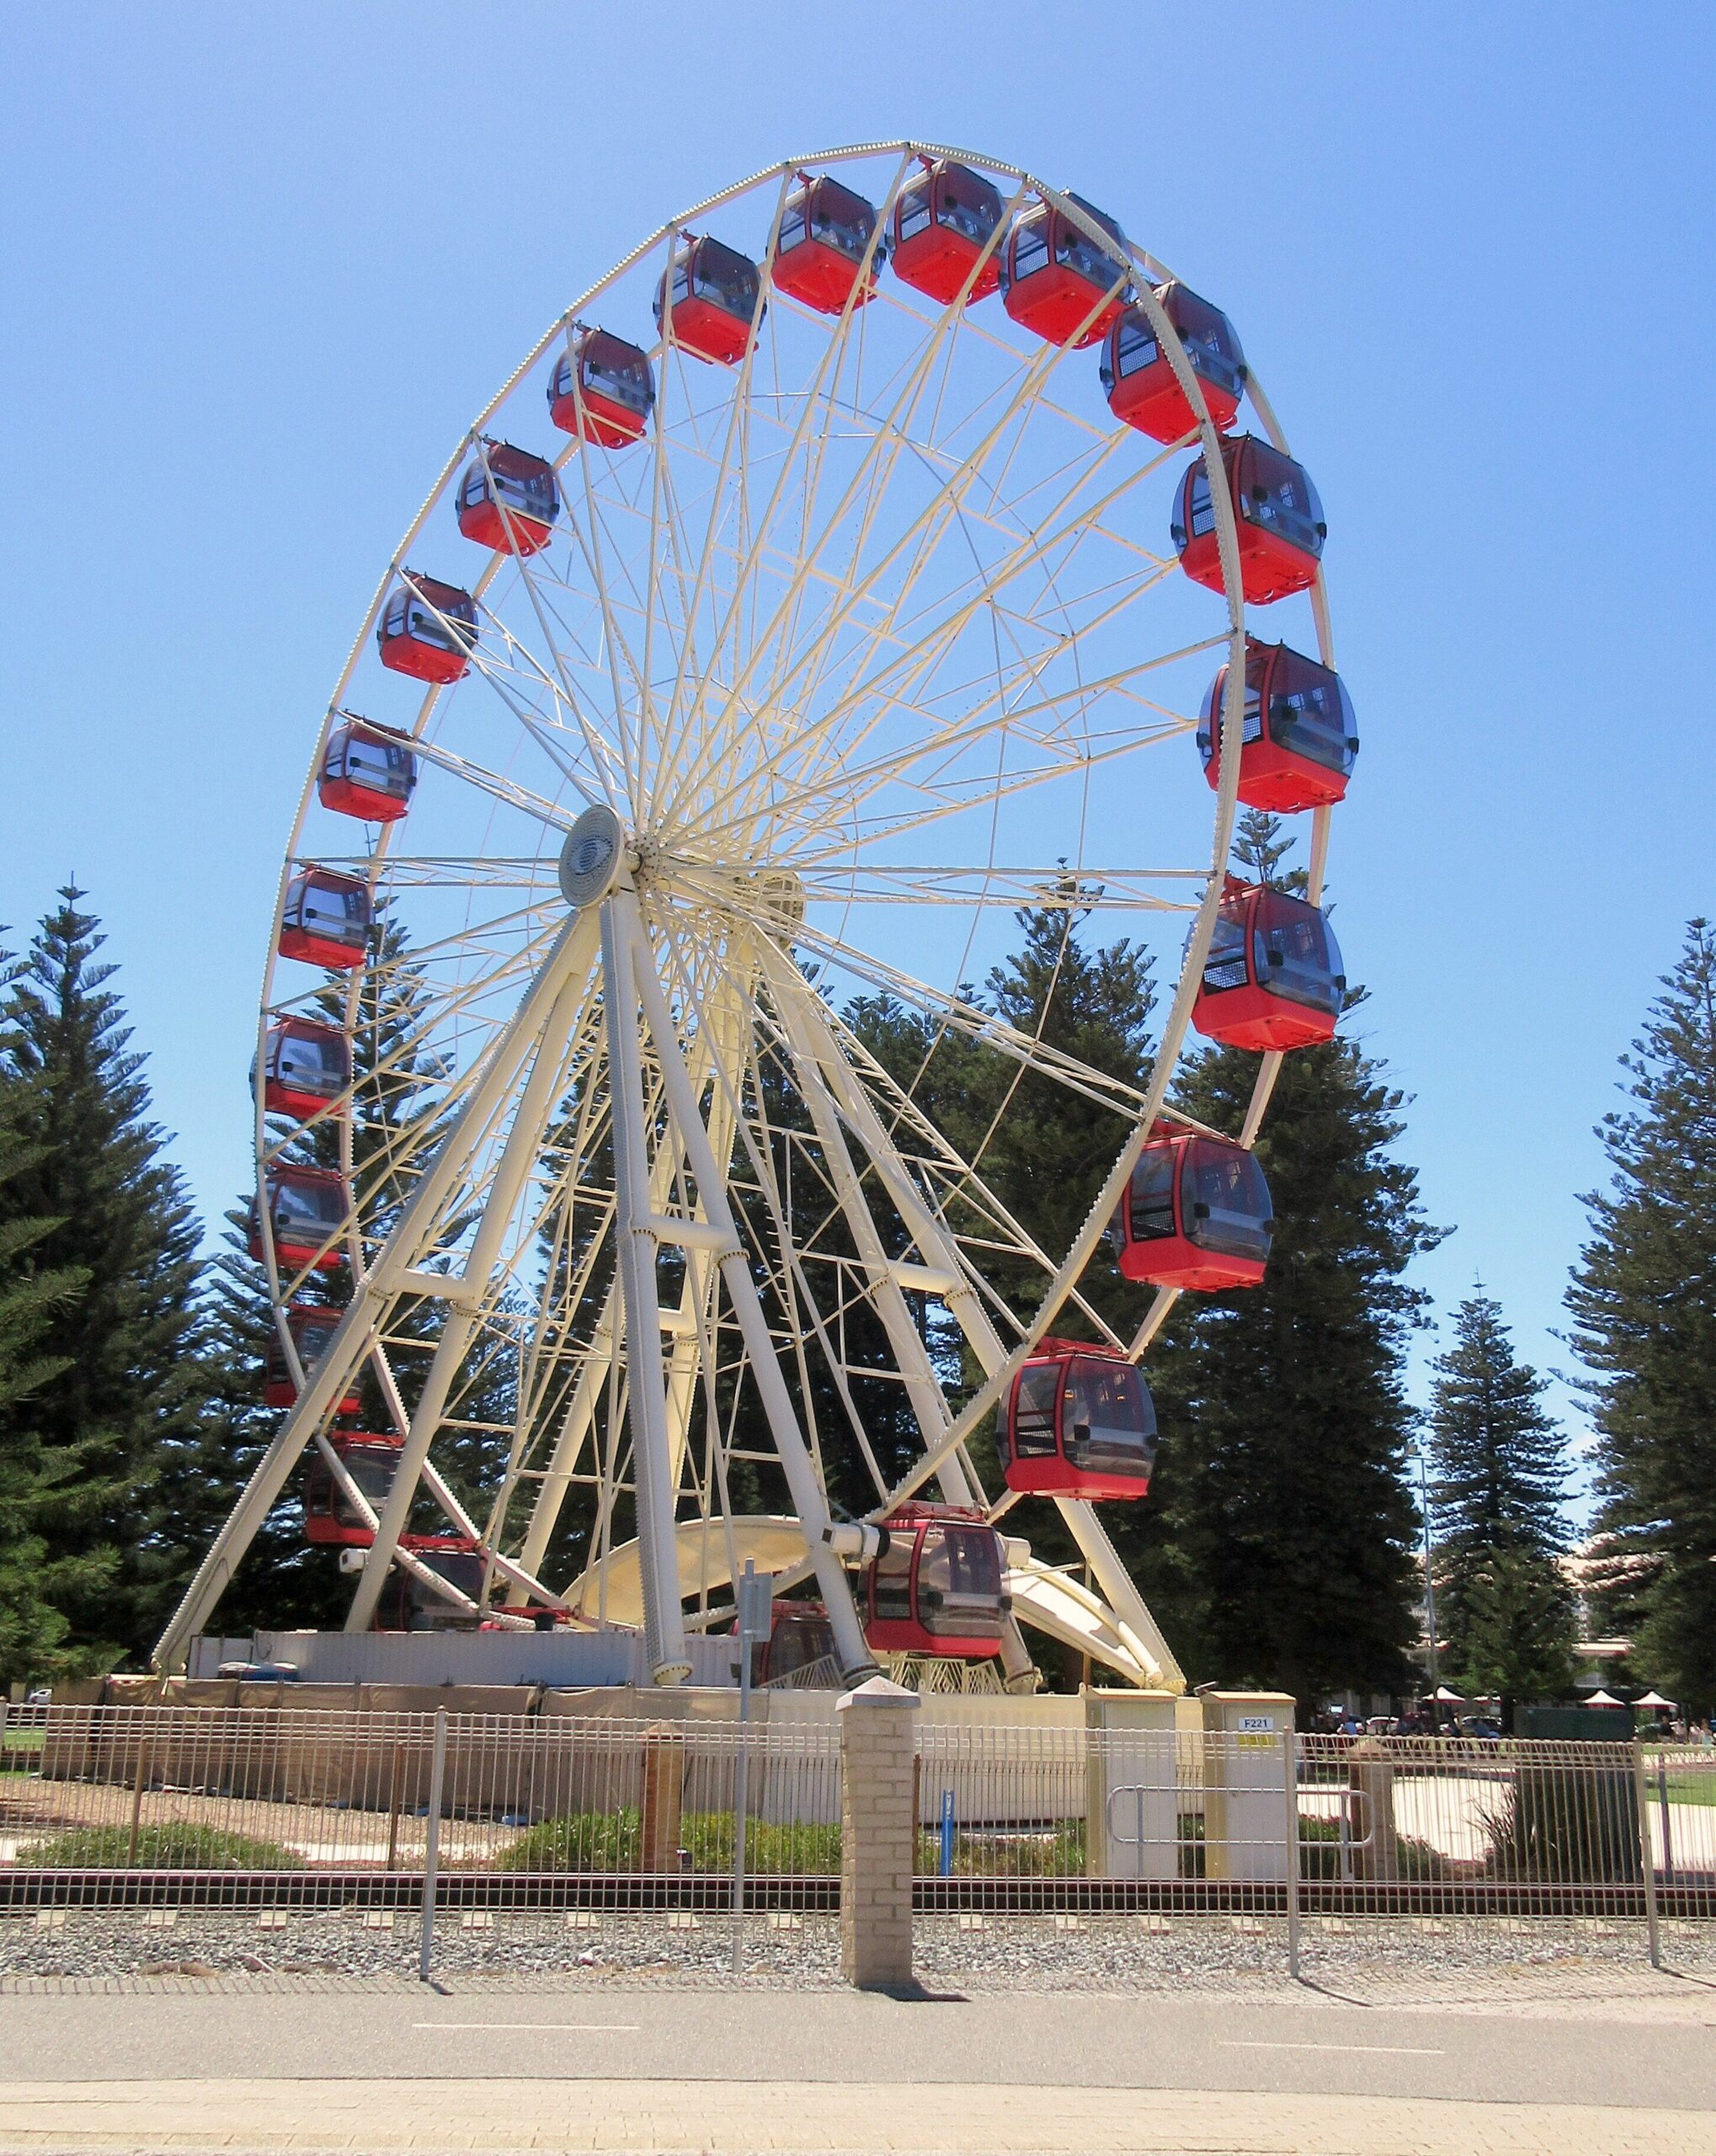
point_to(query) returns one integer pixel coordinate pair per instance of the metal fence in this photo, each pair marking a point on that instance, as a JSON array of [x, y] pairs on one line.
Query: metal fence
[[676, 1818]]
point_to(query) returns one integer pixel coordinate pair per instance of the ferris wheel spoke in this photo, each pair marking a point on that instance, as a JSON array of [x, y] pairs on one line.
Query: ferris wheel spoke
[[1085, 467], [886, 690], [916, 544], [583, 763], [974, 1024]]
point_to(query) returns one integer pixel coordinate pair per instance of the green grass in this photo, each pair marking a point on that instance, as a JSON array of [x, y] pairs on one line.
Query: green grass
[[1688, 1789], [20, 1750], [177, 1845]]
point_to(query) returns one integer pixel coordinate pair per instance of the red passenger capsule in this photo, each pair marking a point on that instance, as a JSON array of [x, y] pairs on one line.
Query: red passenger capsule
[[601, 389], [942, 222], [1272, 979], [799, 1650], [330, 1516], [819, 250], [306, 1065], [1060, 284], [1279, 518], [1139, 381], [313, 1326], [709, 302], [326, 921], [308, 1210], [461, 1563], [427, 629], [369, 771], [508, 499], [1300, 738], [1196, 1215], [935, 1587], [1079, 1423]]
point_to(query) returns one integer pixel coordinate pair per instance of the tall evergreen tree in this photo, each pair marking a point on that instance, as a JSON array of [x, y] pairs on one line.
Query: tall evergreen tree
[[1277, 1544], [41, 1486], [126, 1400], [1496, 1503], [1643, 1304]]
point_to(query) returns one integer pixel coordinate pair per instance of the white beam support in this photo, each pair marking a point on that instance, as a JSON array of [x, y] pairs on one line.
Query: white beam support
[[554, 1003], [940, 1254], [856, 1660], [373, 1296], [637, 1249]]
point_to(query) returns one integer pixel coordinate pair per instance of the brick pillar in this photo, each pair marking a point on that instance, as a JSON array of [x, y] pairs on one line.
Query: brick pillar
[[1370, 1781], [878, 1724], [664, 1790]]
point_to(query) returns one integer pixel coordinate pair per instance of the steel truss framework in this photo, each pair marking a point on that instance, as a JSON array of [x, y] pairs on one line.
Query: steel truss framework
[[876, 639]]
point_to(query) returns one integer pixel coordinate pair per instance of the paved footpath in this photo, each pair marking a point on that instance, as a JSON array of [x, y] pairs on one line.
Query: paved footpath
[[714, 2073]]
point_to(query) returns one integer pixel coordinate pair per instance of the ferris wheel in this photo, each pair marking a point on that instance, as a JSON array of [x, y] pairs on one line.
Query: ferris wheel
[[865, 560]]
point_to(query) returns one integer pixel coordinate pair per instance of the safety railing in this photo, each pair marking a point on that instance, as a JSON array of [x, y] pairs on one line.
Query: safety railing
[[233, 1805], [660, 1812]]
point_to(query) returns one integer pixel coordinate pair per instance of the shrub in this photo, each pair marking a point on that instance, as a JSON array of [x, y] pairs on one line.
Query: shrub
[[612, 1841], [176, 1845], [1567, 1825], [581, 1841]]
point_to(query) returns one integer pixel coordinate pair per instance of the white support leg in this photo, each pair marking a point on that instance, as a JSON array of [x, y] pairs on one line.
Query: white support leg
[[856, 1660], [940, 1252], [911, 1357], [657, 1549], [465, 1291], [374, 1296]]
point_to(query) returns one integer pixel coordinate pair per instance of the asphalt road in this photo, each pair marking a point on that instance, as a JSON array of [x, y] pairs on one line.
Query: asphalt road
[[1305, 2045]]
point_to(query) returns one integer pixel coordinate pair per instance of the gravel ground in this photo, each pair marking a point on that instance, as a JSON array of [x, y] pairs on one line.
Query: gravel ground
[[1451, 1959]]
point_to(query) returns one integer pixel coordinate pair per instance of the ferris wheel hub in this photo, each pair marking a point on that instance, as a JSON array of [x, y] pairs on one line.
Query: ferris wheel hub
[[594, 857]]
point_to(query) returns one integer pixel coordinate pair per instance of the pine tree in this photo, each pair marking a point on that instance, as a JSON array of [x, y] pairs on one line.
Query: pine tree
[[1516, 1628], [1496, 1504], [41, 1487], [1643, 1304], [127, 1397], [1276, 1546]]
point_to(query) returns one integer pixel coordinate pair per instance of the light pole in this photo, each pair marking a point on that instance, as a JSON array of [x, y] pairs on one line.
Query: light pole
[[1429, 1580]]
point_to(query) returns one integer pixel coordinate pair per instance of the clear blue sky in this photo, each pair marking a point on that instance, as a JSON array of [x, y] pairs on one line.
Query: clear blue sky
[[262, 264]]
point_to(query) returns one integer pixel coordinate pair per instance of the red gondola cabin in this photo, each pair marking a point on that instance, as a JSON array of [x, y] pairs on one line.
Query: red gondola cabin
[[1272, 979], [461, 1563], [1060, 284], [330, 1516], [1079, 1423], [935, 1587], [1300, 737], [369, 771], [427, 629], [942, 222], [305, 1066], [1140, 383], [508, 499], [308, 1211], [601, 390], [825, 230], [327, 919], [1196, 1215], [800, 1639], [710, 300], [313, 1326], [1280, 521]]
